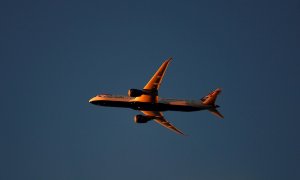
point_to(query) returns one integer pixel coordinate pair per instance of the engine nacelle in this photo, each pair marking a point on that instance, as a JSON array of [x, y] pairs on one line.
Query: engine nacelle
[[137, 92], [141, 119]]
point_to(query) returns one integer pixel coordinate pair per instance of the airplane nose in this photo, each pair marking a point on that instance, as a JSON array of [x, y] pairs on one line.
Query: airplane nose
[[92, 100]]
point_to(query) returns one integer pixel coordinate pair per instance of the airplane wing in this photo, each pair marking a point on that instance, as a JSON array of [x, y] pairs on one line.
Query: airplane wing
[[154, 83], [159, 118], [156, 79]]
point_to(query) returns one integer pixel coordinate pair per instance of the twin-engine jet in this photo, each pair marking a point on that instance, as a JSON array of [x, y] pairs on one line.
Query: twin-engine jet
[[151, 105]]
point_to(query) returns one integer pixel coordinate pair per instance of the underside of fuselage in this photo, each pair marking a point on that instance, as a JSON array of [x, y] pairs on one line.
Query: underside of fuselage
[[145, 106]]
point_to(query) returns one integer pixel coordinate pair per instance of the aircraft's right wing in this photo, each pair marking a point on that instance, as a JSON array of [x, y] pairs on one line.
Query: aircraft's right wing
[[159, 118]]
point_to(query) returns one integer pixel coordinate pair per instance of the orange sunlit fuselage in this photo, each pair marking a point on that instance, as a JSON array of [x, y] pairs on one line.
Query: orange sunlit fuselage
[[161, 105]]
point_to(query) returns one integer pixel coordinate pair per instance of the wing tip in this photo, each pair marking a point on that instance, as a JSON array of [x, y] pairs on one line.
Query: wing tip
[[179, 132], [169, 59]]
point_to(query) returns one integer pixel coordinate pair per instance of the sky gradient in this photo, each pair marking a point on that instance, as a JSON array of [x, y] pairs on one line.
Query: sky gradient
[[56, 55]]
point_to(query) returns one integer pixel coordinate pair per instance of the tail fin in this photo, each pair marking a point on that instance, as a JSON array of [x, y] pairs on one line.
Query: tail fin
[[210, 99]]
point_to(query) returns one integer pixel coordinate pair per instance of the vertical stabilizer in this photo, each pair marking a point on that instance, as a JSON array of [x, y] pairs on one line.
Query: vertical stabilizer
[[210, 99]]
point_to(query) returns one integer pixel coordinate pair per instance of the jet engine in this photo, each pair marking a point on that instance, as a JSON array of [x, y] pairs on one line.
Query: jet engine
[[141, 119], [137, 92]]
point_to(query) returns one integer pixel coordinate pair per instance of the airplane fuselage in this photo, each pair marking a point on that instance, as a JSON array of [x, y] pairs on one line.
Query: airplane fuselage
[[160, 105]]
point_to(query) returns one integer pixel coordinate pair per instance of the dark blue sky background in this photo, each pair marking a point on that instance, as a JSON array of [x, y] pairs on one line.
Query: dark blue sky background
[[55, 55]]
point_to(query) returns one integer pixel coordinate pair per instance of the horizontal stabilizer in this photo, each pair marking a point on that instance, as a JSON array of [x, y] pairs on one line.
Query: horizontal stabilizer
[[215, 112]]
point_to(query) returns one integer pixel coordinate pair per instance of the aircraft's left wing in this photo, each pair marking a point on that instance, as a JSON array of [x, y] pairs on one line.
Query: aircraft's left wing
[[156, 80], [154, 84], [159, 118]]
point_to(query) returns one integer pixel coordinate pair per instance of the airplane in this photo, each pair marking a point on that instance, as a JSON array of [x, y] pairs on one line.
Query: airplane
[[151, 105]]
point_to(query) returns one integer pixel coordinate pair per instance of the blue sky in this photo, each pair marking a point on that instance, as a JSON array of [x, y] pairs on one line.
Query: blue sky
[[56, 55]]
